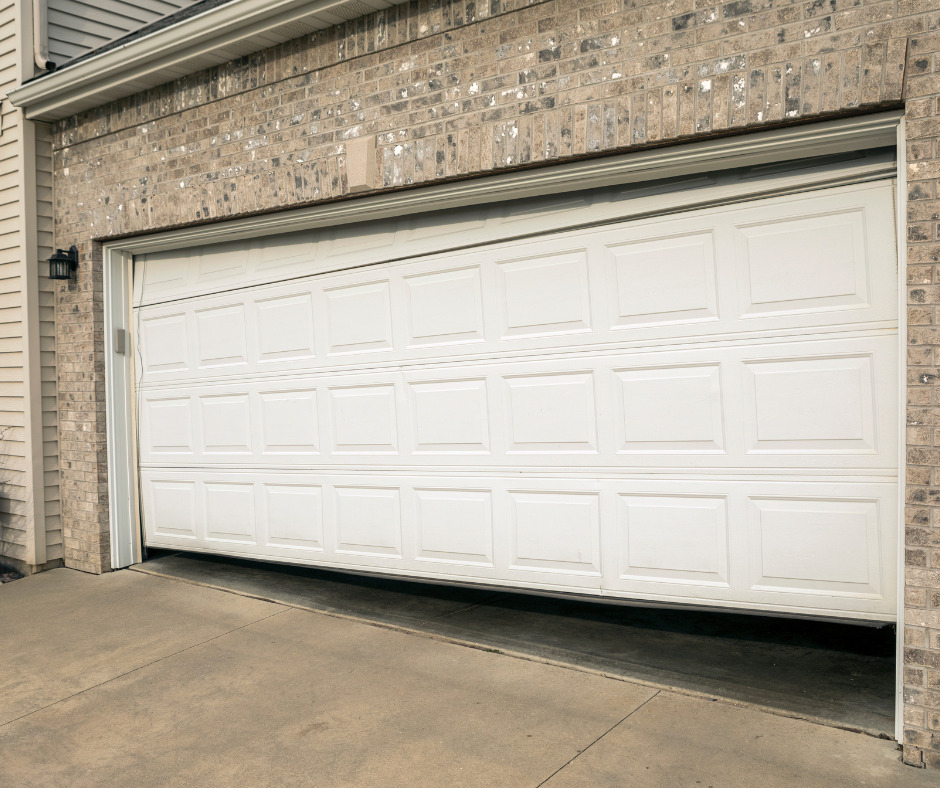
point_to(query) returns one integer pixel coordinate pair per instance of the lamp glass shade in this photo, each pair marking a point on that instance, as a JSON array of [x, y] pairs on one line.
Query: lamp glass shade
[[62, 263]]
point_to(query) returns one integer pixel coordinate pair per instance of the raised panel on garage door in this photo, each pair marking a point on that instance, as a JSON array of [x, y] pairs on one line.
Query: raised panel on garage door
[[699, 407]]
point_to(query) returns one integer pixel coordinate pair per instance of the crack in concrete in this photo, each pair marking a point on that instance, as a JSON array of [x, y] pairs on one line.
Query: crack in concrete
[[609, 730]]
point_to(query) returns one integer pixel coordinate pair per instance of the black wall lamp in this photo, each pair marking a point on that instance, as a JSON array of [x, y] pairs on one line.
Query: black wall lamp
[[62, 264]]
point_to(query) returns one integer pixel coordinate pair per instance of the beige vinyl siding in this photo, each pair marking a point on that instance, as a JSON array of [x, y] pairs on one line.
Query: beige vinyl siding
[[75, 27], [15, 519], [50, 443], [29, 462]]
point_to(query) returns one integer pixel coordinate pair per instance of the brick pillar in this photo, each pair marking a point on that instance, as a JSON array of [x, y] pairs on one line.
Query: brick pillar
[[922, 519], [83, 449]]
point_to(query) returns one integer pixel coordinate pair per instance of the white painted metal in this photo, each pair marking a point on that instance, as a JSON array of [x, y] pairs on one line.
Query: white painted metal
[[698, 407], [122, 414]]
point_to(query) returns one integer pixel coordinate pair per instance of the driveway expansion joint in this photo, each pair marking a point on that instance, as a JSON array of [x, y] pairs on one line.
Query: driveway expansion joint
[[611, 729]]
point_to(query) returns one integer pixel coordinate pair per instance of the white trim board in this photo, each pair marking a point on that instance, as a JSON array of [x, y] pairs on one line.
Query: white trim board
[[121, 413]]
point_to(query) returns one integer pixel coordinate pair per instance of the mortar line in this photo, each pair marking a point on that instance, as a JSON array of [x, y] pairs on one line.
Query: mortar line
[[578, 755], [141, 667]]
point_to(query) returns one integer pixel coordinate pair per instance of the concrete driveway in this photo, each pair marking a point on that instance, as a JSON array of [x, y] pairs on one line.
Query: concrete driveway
[[133, 679]]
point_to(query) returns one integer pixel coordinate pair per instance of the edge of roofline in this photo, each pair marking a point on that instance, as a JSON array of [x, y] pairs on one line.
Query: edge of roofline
[[69, 90]]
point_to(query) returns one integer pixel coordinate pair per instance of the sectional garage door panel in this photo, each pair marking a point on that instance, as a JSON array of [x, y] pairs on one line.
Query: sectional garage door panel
[[698, 407], [813, 403], [717, 274], [799, 546], [208, 269]]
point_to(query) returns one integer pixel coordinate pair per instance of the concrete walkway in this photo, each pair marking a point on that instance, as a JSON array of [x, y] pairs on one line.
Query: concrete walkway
[[134, 679]]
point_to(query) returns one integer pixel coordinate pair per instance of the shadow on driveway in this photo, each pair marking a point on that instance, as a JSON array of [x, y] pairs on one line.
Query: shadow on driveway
[[837, 674]]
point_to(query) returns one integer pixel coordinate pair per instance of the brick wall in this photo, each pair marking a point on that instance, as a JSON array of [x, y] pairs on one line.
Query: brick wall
[[455, 89], [922, 529]]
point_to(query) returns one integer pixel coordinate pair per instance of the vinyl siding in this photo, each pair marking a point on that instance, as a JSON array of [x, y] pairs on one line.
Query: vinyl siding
[[23, 481], [76, 27], [15, 519], [50, 443]]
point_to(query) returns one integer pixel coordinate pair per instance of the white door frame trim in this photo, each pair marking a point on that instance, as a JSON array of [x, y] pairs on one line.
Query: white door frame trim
[[849, 134], [123, 509]]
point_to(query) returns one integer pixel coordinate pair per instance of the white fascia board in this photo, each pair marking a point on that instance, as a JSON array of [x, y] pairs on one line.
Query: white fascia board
[[142, 62]]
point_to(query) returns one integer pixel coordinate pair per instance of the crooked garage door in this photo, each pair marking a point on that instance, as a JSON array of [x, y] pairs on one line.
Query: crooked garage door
[[699, 407]]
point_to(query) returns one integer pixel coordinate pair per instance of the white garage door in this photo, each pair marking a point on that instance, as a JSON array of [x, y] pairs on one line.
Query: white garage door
[[699, 407]]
